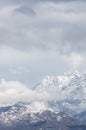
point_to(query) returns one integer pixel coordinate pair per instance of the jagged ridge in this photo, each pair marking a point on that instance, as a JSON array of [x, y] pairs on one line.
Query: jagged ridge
[[69, 92]]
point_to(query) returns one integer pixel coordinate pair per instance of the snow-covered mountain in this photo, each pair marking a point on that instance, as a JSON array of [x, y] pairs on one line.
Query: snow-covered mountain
[[18, 117], [60, 99], [67, 92]]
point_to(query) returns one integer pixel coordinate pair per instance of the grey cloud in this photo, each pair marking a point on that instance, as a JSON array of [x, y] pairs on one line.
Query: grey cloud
[[25, 10], [47, 0], [50, 28], [10, 2], [75, 37], [49, 43]]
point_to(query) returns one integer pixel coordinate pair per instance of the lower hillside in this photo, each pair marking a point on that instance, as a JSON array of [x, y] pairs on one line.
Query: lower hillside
[[18, 117]]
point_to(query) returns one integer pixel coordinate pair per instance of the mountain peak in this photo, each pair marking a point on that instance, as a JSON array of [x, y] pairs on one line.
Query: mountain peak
[[67, 92]]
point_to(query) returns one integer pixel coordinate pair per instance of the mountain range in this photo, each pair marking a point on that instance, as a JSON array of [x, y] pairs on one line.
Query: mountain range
[[66, 106], [18, 117]]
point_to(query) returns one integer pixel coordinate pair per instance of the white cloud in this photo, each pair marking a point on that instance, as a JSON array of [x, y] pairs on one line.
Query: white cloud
[[12, 92], [39, 106], [75, 59]]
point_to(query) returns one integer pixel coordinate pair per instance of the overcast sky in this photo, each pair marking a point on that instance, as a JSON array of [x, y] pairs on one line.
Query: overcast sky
[[41, 37]]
